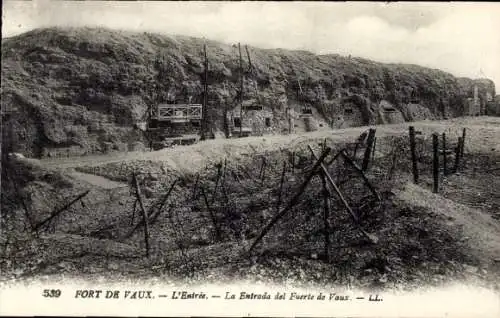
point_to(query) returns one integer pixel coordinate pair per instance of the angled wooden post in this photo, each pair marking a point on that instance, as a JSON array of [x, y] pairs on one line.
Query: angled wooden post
[[373, 151], [336, 189], [144, 215], [294, 200], [354, 216], [355, 150], [58, 211], [358, 169]]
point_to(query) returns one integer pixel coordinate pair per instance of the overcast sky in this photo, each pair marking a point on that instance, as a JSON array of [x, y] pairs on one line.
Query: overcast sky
[[461, 38]]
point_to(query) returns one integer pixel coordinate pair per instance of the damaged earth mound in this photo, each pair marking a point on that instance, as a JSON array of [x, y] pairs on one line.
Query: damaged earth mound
[[325, 211], [76, 91]]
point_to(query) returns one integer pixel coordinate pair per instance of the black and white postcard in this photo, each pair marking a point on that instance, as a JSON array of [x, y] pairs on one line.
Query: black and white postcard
[[319, 159]]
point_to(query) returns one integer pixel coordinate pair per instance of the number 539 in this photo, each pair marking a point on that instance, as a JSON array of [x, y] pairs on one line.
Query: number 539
[[52, 293]]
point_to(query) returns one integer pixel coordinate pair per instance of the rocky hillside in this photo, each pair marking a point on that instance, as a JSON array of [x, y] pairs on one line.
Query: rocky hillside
[[81, 90]]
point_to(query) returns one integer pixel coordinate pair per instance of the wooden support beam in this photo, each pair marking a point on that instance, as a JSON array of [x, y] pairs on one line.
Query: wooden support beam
[[195, 187], [293, 201], [413, 152], [435, 162], [369, 146]]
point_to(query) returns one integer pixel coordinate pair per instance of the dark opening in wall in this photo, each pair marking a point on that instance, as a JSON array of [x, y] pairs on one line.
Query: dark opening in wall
[[348, 111], [253, 107], [389, 109], [307, 111], [268, 122], [237, 122]]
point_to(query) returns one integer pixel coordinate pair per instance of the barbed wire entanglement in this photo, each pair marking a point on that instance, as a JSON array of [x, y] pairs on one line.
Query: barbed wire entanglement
[[316, 201]]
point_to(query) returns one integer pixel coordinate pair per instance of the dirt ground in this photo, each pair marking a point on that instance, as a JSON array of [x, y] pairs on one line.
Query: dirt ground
[[221, 193]]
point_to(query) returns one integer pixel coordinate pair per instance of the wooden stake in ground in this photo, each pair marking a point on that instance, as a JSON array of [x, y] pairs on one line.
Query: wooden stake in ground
[[294, 200], [413, 154], [445, 155], [143, 210], [263, 169], [435, 162], [368, 150], [326, 218], [463, 144], [195, 188]]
